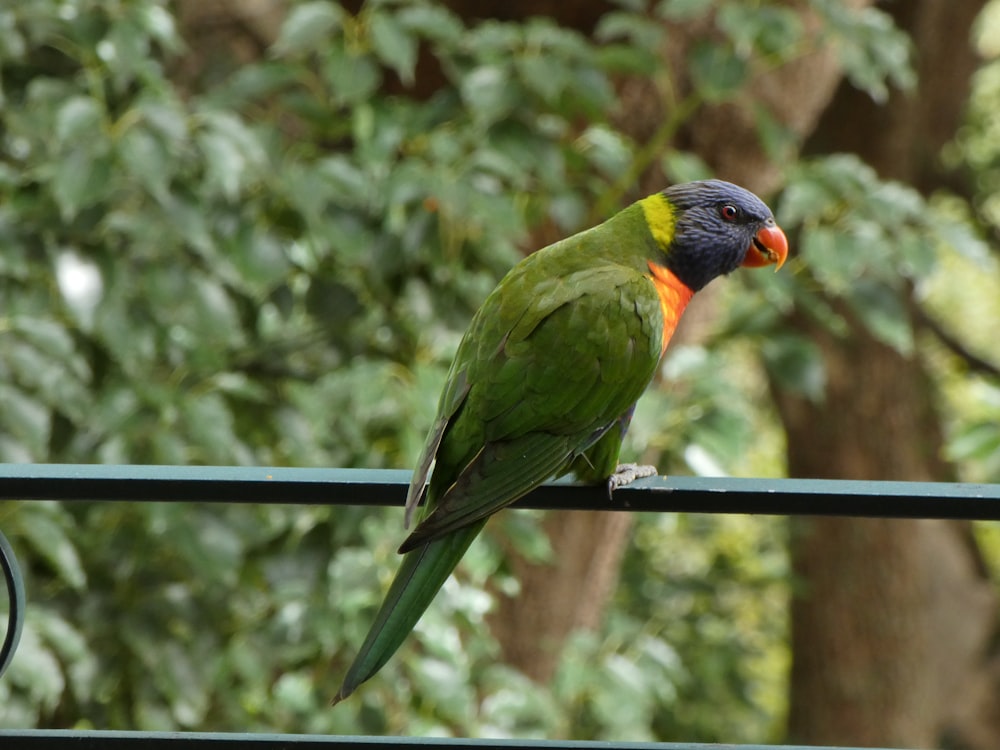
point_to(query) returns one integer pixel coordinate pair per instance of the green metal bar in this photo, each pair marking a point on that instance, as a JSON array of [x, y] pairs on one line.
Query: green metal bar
[[238, 484], [98, 740]]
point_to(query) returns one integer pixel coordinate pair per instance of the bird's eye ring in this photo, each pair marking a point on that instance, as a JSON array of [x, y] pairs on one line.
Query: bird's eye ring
[[729, 212]]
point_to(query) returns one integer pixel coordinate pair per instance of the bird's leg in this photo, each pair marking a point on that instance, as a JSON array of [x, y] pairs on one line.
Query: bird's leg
[[628, 473]]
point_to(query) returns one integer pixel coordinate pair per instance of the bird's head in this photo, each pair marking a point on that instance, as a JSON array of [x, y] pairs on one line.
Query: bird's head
[[719, 227]]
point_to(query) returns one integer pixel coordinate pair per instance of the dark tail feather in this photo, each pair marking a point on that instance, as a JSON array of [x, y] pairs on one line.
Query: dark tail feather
[[421, 574]]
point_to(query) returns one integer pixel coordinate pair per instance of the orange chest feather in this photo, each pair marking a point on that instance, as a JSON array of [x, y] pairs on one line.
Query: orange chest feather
[[674, 296]]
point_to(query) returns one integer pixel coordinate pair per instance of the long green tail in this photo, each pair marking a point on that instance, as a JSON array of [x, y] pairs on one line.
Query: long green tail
[[421, 574]]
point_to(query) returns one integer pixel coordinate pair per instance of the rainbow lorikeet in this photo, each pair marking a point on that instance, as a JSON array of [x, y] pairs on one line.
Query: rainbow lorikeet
[[545, 380]]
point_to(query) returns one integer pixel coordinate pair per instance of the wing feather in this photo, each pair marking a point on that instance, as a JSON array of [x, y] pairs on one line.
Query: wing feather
[[545, 370]]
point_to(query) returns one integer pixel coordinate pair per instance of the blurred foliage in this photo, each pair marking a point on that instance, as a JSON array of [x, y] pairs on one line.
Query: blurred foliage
[[863, 246], [968, 287], [274, 266]]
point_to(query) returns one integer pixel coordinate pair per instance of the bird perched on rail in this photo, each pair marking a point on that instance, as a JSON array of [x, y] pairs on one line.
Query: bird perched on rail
[[547, 376]]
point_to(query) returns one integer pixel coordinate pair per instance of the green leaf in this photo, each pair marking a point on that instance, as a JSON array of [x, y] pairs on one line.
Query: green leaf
[[53, 339], [58, 380], [884, 313], [568, 210], [685, 166], [352, 77], [607, 149], [873, 51], [820, 251], [258, 257], [488, 92], [190, 223], [125, 53], [157, 21], [165, 116], [683, 10], [70, 644], [26, 419], [308, 28], [975, 442], [917, 254], [255, 83], [45, 529], [212, 312], [761, 29], [347, 184], [209, 426], [627, 59], [13, 44], [433, 22], [81, 179], [634, 27], [38, 667], [232, 153], [79, 118], [961, 236], [796, 364], [777, 139], [144, 157], [716, 72], [394, 45], [538, 74]]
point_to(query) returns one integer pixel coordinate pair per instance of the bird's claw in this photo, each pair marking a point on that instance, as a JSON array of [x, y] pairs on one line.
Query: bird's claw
[[627, 473]]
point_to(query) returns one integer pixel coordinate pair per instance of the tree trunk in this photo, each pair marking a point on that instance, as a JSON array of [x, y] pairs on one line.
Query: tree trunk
[[891, 619], [557, 599]]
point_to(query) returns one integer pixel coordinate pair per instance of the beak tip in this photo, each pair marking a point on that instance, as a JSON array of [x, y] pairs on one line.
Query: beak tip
[[775, 247]]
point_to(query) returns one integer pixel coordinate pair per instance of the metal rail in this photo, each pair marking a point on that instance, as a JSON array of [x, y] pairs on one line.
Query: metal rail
[[96, 740], [370, 487]]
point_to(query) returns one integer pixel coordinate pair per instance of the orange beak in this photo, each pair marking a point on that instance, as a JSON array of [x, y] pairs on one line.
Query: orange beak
[[769, 246]]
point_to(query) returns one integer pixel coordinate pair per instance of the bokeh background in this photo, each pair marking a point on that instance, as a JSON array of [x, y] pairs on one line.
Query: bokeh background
[[252, 233]]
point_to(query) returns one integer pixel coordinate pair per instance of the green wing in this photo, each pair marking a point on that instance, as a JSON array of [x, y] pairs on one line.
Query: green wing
[[550, 364]]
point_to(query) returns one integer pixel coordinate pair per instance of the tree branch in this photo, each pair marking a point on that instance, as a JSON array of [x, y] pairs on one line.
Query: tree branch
[[974, 362]]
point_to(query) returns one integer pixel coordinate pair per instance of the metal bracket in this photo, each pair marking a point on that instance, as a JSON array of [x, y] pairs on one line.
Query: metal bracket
[[16, 601]]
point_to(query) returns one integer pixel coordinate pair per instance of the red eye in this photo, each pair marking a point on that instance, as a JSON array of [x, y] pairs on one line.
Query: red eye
[[729, 212]]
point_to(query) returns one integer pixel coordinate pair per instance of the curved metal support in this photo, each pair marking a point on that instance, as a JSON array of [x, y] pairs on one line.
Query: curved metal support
[[16, 600]]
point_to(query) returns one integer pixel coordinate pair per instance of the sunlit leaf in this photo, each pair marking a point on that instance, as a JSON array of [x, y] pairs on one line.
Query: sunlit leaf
[[884, 313], [394, 45], [26, 419], [431, 21], [308, 27], [45, 529], [488, 93], [977, 441], [78, 118], [609, 150], [762, 28]]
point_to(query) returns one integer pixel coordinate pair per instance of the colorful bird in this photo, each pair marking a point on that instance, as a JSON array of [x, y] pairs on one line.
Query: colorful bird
[[545, 380]]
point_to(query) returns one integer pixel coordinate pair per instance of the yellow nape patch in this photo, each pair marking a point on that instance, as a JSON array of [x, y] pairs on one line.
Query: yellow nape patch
[[660, 218], [674, 295]]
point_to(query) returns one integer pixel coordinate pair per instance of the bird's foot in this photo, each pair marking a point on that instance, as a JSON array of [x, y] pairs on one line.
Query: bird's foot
[[628, 473]]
